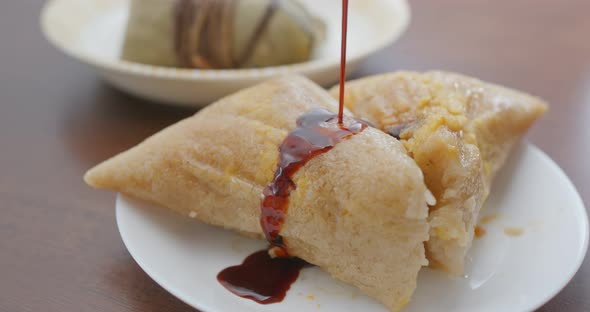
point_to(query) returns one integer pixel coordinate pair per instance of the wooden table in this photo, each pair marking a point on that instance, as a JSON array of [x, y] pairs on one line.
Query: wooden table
[[59, 245]]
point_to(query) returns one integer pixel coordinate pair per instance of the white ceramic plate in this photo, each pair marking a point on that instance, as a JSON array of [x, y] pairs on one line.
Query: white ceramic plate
[[92, 31], [505, 273]]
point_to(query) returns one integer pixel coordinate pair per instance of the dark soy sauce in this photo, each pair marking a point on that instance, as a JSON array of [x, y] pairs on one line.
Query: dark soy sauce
[[343, 60], [261, 277], [317, 132]]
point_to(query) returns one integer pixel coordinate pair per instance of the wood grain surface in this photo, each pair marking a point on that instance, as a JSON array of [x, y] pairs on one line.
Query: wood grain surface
[[59, 245]]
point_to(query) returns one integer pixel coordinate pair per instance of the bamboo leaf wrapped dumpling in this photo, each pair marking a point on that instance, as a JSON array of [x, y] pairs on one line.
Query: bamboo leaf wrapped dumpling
[[220, 34]]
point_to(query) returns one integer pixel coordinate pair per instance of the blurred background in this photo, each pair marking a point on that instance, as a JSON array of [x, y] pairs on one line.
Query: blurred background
[[59, 246]]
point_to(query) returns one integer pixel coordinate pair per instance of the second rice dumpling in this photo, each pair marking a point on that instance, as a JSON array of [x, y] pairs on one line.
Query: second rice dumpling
[[459, 130], [220, 34]]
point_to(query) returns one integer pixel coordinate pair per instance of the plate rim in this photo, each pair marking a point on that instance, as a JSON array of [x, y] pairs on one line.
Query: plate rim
[[535, 305], [174, 73], [585, 224], [155, 277]]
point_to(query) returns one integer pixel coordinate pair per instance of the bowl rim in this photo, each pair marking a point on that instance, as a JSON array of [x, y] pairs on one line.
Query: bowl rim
[[309, 67]]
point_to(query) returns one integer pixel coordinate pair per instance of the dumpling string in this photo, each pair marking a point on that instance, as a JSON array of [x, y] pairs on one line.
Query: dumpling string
[[204, 33]]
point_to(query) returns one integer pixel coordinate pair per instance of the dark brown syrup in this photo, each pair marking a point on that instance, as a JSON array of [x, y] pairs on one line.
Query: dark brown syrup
[[267, 279], [317, 132], [262, 278]]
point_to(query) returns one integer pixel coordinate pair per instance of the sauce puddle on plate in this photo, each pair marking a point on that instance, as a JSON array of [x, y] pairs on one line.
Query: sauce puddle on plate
[[262, 278]]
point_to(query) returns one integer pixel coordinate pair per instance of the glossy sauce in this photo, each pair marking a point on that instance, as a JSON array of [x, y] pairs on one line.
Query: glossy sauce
[[343, 60], [261, 278], [317, 132], [267, 279]]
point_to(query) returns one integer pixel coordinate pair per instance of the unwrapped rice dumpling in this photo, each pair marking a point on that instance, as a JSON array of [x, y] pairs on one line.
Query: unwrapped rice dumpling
[[357, 211], [459, 130]]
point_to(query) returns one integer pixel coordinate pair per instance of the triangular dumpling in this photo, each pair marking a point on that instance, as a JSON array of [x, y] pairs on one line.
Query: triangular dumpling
[[359, 211], [459, 130]]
